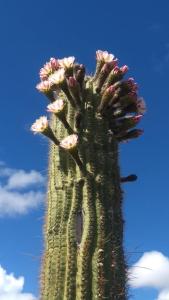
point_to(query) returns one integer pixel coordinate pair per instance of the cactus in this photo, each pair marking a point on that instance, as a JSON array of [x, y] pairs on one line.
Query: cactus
[[90, 115]]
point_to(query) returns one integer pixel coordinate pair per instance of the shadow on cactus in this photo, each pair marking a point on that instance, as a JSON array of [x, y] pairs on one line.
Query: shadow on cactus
[[90, 115]]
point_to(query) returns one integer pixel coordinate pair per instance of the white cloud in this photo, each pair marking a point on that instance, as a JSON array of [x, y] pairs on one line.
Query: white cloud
[[12, 203], [11, 288], [22, 179], [151, 270], [163, 295], [20, 191], [5, 172]]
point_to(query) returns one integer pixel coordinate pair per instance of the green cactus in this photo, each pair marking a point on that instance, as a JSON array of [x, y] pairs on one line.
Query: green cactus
[[84, 257]]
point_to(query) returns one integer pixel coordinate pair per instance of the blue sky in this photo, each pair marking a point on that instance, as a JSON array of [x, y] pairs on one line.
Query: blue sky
[[33, 31]]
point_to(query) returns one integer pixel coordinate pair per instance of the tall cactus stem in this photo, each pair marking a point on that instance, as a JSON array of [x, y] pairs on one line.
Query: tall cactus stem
[[84, 257]]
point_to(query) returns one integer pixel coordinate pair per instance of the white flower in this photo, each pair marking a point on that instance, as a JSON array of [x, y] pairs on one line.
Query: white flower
[[44, 86], [67, 62], [69, 142], [141, 106], [104, 56], [40, 125], [49, 68], [56, 106], [57, 77]]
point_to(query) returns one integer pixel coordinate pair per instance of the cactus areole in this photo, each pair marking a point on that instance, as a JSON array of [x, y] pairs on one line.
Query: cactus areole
[[90, 115]]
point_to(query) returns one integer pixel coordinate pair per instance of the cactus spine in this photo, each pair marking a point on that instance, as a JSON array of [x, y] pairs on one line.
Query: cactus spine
[[84, 256]]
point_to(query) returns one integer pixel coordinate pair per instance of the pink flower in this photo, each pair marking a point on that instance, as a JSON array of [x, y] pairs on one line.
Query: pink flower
[[141, 106], [56, 106], [121, 70], [44, 86], [54, 63], [72, 82], [49, 68], [133, 95], [66, 62], [57, 77], [70, 142], [110, 90], [40, 125], [132, 84], [124, 69], [104, 56], [137, 118], [116, 70]]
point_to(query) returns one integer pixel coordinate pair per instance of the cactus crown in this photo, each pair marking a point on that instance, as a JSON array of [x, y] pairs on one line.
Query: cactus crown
[[114, 98]]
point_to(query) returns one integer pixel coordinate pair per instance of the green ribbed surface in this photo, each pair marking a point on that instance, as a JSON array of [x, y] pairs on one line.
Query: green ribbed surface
[[94, 266]]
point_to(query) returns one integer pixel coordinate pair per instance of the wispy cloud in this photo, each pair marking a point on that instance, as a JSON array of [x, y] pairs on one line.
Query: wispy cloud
[[151, 270], [11, 288], [12, 202], [21, 179], [4, 170], [20, 190]]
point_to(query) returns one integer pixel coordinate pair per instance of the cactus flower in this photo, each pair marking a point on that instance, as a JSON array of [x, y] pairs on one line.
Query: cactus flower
[[70, 142], [104, 56], [44, 86], [56, 106], [40, 125], [67, 62], [49, 68], [57, 77]]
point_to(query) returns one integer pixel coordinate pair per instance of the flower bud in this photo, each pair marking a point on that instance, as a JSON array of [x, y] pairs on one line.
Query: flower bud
[[132, 84], [129, 135], [141, 106], [130, 98], [124, 69], [137, 118], [123, 124], [74, 89], [106, 97], [54, 64], [105, 71], [79, 73], [72, 82], [116, 74]]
